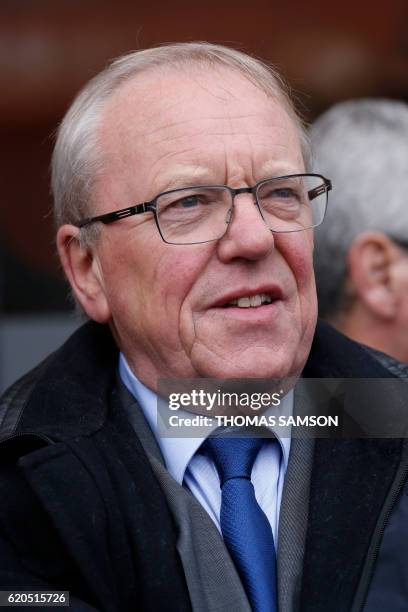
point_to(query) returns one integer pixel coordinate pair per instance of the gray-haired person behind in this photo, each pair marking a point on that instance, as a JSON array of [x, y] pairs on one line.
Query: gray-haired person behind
[[361, 253]]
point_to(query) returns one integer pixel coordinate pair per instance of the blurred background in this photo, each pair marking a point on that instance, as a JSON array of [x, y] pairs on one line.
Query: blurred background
[[328, 51]]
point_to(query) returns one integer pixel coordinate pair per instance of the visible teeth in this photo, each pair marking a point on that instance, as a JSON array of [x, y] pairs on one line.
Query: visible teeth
[[255, 300], [244, 302], [252, 301]]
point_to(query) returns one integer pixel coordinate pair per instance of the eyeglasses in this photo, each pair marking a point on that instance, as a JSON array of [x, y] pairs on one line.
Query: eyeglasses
[[199, 214]]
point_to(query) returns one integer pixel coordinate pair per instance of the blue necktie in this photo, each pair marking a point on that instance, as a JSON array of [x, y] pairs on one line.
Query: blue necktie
[[245, 527]]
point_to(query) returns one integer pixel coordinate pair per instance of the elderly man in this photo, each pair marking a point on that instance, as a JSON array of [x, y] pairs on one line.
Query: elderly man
[[185, 215], [361, 257]]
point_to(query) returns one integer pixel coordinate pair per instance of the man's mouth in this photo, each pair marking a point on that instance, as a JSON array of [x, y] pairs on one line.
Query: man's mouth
[[244, 298], [250, 301]]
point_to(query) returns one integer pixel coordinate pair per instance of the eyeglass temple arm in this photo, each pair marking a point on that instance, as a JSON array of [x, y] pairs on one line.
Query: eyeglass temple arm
[[119, 214], [326, 186]]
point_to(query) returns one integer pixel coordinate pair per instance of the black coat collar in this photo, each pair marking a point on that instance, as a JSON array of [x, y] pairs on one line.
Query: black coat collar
[[71, 397]]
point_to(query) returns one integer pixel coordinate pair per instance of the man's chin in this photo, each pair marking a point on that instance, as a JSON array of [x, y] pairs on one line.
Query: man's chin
[[251, 367]]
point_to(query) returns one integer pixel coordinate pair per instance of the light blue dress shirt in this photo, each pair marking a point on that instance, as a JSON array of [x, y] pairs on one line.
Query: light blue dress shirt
[[197, 471]]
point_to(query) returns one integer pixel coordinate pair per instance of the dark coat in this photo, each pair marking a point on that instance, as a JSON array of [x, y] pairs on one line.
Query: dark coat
[[82, 511]]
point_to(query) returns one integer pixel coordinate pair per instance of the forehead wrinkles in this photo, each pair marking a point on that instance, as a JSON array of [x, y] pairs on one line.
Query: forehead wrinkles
[[228, 124], [216, 149], [177, 137], [140, 116], [233, 140], [149, 98]]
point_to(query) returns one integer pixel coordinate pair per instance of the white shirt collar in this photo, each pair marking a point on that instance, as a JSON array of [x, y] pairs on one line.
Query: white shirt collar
[[177, 452]]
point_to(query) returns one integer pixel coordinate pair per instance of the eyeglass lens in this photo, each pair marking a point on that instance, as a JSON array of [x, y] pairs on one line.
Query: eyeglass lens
[[201, 214]]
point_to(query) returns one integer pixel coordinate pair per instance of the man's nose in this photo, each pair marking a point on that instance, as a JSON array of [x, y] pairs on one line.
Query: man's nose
[[247, 236]]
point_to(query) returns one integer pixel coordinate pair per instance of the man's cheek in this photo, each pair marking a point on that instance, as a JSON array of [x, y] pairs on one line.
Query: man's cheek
[[300, 260], [174, 264], [187, 326]]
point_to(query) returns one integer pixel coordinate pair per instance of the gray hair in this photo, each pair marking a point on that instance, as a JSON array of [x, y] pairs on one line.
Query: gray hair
[[362, 146], [77, 159]]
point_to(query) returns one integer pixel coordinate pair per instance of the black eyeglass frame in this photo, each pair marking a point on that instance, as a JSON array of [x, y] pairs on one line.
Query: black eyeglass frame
[[151, 206]]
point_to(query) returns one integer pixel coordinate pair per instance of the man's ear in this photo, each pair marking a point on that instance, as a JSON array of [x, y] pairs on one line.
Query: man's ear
[[370, 260], [82, 268]]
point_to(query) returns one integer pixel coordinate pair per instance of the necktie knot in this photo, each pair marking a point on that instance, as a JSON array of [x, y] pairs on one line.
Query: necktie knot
[[233, 457]]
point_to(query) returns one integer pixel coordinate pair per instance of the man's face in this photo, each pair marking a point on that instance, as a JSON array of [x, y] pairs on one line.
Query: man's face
[[169, 305]]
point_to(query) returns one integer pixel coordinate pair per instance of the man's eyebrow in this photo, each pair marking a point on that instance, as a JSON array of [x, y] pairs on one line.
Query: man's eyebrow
[[184, 177], [275, 167]]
